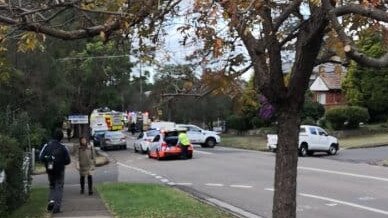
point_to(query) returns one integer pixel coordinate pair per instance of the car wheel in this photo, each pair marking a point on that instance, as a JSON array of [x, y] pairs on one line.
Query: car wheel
[[303, 150], [189, 156], [332, 150], [210, 142]]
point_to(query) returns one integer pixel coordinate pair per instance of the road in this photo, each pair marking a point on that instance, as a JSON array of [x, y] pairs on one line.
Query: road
[[242, 181]]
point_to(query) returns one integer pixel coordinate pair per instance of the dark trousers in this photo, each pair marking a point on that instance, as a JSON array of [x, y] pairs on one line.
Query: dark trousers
[[90, 183], [56, 188], [185, 152]]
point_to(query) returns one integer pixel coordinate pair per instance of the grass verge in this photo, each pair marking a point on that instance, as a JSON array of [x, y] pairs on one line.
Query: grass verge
[[259, 143], [364, 141], [149, 200], [35, 207]]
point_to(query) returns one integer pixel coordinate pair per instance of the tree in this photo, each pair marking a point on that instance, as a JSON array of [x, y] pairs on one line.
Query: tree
[[267, 30], [365, 86]]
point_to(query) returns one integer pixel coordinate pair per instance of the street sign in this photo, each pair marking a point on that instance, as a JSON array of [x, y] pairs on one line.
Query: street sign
[[79, 119]]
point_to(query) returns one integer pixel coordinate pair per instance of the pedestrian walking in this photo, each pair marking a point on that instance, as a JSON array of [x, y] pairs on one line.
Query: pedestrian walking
[[55, 157], [86, 163]]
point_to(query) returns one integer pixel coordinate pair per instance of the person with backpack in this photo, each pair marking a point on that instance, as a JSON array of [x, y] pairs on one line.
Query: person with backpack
[[86, 163], [55, 157]]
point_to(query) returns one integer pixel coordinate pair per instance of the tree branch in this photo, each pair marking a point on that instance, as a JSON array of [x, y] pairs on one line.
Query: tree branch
[[369, 12], [350, 48], [286, 13]]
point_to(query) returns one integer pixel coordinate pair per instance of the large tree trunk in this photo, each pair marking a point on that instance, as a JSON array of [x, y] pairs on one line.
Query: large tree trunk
[[284, 201]]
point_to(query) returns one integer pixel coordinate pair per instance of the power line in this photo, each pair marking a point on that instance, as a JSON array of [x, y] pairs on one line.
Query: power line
[[92, 57]]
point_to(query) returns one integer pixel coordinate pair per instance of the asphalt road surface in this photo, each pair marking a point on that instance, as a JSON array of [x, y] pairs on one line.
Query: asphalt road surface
[[242, 181]]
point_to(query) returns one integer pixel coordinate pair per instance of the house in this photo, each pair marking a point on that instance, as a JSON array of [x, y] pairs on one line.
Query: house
[[326, 87]]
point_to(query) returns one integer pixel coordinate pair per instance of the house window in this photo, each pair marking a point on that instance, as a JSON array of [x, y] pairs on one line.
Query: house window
[[321, 98]]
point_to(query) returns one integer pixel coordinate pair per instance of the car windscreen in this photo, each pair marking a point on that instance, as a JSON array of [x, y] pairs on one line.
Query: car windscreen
[[152, 133], [114, 135]]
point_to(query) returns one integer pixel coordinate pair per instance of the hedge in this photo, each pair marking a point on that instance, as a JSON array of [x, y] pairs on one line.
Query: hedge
[[12, 190], [346, 117]]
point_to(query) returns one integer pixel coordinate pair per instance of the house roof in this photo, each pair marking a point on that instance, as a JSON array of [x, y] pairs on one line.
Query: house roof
[[332, 80], [326, 82]]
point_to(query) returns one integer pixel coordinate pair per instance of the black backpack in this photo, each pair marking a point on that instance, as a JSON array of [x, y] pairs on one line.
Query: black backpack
[[55, 157]]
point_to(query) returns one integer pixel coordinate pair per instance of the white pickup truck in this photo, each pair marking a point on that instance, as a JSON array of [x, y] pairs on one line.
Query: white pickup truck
[[311, 139], [200, 136]]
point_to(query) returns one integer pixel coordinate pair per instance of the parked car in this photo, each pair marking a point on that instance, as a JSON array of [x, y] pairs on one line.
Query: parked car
[[144, 140], [165, 145], [114, 139], [311, 139], [200, 136], [98, 137]]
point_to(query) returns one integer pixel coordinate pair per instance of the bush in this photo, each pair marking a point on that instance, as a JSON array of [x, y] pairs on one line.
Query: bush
[[312, 110], [346, 117], [238, 123], [356, 115], [256, 122], [11, 161], [308, 121]]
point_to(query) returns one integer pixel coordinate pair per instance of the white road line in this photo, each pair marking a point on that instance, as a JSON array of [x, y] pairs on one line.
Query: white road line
[[346, 203], [202, 152], [241, 186], [215, 184], [164, 180], [158, 177], [183, 183], [232, 208], [339, 202], [344, 173]]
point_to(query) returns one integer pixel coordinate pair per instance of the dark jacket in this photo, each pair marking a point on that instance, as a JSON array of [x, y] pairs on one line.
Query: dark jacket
[[57, 153]]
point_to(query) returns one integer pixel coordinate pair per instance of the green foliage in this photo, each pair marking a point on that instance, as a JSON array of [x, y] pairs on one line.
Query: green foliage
[[312, 110], [309, 121], [12, 191], [346, 117], [368, 87], [256, 122], [238, 123], [356, 115]]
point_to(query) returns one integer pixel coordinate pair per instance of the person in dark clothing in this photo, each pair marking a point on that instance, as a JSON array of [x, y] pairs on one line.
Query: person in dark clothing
[[55, 157], [133, 128]]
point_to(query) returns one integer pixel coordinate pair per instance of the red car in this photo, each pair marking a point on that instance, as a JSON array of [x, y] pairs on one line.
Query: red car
[[165, 145]]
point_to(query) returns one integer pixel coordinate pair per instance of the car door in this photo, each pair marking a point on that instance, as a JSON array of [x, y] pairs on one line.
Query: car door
[[313, 138], [324, 141], [194, 134], [155, 142], [138, 141]]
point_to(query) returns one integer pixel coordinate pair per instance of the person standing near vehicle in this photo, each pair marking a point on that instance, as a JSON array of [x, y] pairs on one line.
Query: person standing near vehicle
[[86, 163], [184, 143], [55, 157]]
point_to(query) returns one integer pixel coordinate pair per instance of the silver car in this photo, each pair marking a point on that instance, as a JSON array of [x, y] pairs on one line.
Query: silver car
[[114, 139], [144, 140]]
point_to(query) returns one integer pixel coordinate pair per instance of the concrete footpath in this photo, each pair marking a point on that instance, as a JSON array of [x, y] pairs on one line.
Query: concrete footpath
[[79, 205], [76, 205]]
